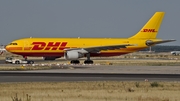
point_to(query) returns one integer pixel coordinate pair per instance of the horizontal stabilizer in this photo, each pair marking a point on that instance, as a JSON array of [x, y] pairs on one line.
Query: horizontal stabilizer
[[158, 42]]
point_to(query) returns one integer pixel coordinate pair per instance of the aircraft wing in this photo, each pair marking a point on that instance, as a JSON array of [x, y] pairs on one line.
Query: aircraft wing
[[99, 48], [159, 41], [104, 48]]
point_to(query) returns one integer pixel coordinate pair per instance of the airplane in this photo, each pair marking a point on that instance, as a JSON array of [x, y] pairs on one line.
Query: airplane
[[74, 48], [175, 52], [2, 49]]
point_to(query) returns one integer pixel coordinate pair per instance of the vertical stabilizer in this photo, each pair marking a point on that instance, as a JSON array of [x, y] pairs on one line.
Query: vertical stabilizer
[[151, 28]]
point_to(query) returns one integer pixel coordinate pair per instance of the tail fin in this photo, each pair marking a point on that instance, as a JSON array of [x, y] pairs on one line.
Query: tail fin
[[151, 28]]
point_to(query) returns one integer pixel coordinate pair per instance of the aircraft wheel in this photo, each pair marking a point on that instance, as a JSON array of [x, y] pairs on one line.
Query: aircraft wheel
[[30, 62], [88, 62], [75, 62], [17, 62], [174, 54]]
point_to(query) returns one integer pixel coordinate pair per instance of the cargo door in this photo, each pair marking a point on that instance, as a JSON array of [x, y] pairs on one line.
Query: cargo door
[[26, 46]]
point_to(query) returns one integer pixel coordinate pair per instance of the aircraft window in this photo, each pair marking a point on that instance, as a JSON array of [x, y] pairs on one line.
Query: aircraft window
[[13, 44]]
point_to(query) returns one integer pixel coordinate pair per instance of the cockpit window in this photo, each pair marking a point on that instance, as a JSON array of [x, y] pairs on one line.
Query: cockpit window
[[13, 44]]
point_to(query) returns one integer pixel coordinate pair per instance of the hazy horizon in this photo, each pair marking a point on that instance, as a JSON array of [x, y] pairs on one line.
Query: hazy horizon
[[85, 18]]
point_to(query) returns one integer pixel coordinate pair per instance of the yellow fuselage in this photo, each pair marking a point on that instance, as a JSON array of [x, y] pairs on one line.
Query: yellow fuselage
[[56, 46]]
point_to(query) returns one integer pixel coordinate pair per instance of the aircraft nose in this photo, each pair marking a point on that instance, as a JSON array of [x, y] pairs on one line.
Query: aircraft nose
[[7, 48]]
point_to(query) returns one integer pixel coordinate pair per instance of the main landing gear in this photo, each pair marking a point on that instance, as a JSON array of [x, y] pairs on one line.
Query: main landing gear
[[75, 61], [88, 61]]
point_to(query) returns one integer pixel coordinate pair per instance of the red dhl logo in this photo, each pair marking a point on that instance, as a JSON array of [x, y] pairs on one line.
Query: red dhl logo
[[49, 46], [148, 30]]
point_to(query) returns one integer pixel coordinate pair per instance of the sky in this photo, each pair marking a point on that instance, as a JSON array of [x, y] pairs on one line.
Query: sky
[[85, 18]]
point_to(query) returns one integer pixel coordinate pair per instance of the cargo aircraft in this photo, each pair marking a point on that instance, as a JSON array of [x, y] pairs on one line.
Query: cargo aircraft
[[74, 48]]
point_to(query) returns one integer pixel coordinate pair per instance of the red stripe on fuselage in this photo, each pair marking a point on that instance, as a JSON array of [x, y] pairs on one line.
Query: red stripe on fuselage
[[62, 54], [27, 48], [14, 48]]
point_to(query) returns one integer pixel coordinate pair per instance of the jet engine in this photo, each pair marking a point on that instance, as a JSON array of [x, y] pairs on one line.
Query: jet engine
[[73, 55]]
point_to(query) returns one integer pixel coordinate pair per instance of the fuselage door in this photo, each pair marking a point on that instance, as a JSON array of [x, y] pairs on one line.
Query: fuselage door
[[26, 45]]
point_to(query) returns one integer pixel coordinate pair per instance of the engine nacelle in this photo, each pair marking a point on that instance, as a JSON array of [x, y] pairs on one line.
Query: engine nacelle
[[50, 58], [73, 55]]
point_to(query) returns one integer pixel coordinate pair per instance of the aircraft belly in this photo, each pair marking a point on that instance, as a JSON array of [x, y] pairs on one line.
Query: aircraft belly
[[61, 53]]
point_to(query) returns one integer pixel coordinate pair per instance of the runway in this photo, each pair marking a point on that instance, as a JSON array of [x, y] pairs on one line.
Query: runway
[[65, 73], [56, 77]]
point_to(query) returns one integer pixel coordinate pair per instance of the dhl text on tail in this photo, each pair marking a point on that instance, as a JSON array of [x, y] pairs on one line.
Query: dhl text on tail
[[75, 48]]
